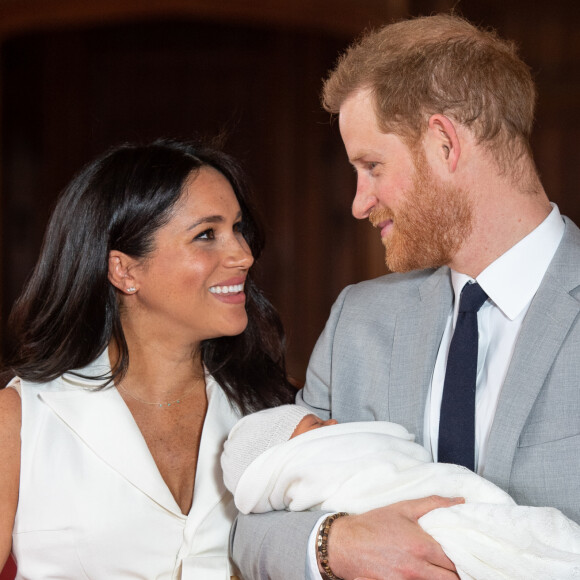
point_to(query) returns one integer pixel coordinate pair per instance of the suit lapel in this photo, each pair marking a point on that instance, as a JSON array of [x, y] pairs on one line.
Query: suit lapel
[[418, 332], [550, 316]]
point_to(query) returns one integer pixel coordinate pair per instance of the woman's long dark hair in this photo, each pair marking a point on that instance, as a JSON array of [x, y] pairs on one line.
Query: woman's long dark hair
[[69, 311]]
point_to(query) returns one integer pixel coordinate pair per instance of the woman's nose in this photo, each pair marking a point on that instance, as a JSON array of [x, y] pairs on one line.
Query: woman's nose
[[239, 253]]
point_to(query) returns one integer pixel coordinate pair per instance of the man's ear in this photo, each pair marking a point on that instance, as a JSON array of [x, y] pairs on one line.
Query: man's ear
[[443, 141], [120, 272]]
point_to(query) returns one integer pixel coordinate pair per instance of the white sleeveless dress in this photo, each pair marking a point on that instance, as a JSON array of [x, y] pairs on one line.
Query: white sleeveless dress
[[92, 502]]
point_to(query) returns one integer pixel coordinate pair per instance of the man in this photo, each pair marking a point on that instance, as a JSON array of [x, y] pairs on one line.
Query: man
[[436, 115]]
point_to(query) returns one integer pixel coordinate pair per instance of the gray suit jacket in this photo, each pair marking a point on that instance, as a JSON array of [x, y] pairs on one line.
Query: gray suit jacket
[[375, 360]]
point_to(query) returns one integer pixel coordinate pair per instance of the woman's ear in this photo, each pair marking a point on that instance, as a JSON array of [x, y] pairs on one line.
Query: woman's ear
[[444, 141], [120, 272]]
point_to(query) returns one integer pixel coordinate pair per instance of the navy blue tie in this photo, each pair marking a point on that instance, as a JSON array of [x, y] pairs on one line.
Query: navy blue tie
[[457, 420]]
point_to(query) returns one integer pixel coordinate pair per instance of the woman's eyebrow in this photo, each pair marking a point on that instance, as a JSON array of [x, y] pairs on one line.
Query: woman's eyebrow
[[212, 219]]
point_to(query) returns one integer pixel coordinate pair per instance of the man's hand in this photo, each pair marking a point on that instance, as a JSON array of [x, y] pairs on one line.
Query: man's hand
[[388, 543]]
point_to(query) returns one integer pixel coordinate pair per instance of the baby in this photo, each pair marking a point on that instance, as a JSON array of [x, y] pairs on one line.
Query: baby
[[288, 458]]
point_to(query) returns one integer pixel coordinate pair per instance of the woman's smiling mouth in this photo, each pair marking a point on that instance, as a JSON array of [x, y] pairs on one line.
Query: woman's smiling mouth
[[233, 289]]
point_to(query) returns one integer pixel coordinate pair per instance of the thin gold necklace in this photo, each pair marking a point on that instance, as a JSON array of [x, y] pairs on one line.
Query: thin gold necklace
[[168, 404]]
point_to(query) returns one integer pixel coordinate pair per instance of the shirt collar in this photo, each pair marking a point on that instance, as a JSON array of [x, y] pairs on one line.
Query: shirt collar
[[513, 279]]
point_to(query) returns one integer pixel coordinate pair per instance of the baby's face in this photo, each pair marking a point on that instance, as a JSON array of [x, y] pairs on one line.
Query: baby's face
[[310, 422]]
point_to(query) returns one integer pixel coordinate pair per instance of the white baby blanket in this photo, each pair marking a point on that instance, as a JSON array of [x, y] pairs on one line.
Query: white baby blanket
[[356, 467]]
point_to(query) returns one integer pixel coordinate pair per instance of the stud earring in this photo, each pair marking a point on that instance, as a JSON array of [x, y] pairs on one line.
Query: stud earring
[[131, 290]]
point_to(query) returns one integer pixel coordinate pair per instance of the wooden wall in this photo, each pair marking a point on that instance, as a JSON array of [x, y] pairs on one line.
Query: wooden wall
[[79, 77]]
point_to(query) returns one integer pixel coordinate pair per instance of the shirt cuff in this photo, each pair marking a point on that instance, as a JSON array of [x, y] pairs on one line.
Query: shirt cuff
[[312, 572]]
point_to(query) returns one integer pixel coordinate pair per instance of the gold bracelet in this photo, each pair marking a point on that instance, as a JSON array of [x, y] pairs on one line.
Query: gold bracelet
[[322, 545]]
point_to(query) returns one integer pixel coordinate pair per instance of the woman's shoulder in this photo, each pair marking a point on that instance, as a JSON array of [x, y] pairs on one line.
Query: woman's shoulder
[[10, 419], [9, 401], [10, 423]]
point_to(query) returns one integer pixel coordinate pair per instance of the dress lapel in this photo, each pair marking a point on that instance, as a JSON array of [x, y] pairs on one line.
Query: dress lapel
[[105, 425], [102, 420], [210, 489]]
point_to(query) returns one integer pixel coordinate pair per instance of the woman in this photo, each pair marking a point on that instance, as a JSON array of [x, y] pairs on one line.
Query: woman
[[144, 287]]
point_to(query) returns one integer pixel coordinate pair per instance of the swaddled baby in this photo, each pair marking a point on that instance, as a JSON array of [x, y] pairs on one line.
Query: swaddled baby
[[287, 458]]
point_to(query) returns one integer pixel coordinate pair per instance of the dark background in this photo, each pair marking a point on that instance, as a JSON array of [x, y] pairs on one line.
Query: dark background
[[78, 77]]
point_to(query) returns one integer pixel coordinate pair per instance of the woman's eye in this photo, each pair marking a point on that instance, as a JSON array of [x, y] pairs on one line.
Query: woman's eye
[[239, 227], [206, 235]]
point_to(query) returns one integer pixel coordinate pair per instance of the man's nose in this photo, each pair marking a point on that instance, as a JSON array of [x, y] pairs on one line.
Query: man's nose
[[364, 201]]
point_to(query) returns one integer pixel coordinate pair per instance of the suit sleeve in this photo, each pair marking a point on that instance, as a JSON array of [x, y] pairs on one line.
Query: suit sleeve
[[316, 394], [272, 546]]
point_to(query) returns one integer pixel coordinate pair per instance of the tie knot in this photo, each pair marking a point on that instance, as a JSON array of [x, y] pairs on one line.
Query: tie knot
[[472, 298]]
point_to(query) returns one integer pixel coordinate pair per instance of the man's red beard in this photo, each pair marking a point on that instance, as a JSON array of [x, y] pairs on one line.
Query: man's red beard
[[430, 225]]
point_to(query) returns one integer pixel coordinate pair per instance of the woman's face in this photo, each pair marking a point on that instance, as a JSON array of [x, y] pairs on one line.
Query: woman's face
[[192, 284]]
